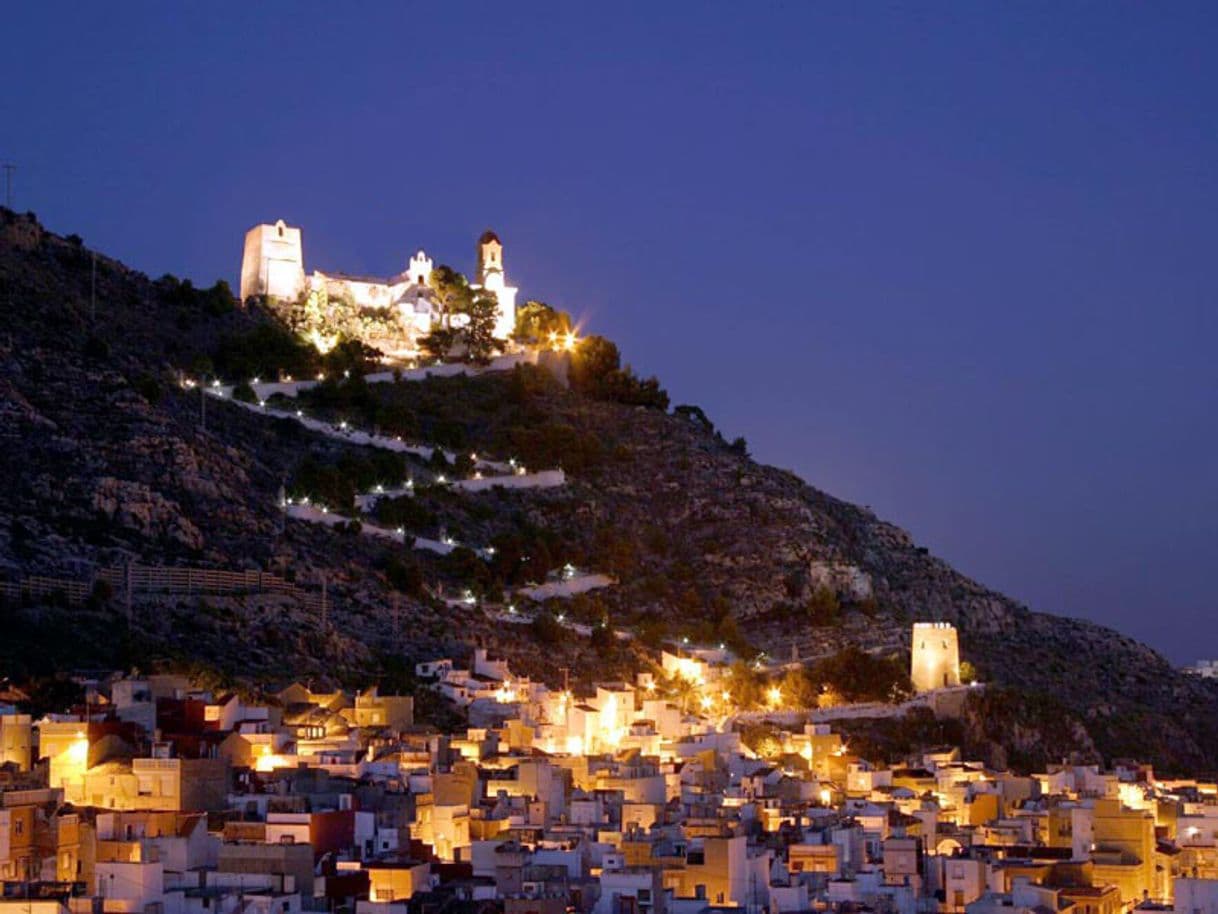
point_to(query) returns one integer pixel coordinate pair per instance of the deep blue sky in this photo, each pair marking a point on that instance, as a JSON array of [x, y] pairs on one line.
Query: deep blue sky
[[957, 262]]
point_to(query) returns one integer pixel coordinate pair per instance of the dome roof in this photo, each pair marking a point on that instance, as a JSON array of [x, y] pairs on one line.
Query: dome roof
[[488, 236]]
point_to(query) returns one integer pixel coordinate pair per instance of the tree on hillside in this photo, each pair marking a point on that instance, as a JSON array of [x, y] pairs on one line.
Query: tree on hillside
[[797, 689], [595, 360], [596, 371], [478, 334], [536, 321], [860, 676], [439, 343], [450, 293], [452, 298], [350, 356], [744, 685]]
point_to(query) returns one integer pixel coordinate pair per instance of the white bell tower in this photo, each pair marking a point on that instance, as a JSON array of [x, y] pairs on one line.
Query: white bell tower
[[490, 276]]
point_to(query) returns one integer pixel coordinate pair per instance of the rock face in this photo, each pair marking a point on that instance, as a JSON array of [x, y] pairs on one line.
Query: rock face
[[106, 461], [134, 506]]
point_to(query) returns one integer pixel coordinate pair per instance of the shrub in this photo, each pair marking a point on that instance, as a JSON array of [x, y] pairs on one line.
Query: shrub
[[405, 511], [264, 351], [859, 676], [823, 607], [350, 356], [546, 629], [245, 393], [696, 415], [405, 575], [602, 640], [596, 372], [148, 387], [325, 484], [96, 348], [536, 321]]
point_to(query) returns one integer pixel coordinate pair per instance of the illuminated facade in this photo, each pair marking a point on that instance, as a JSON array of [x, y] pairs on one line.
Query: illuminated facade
[[934, 656], [390, 314]]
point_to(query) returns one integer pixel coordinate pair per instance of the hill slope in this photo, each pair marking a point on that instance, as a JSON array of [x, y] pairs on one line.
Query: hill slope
[[107, 462]]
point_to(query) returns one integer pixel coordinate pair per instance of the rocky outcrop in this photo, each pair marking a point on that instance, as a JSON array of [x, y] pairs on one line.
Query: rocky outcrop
[[136, 507]]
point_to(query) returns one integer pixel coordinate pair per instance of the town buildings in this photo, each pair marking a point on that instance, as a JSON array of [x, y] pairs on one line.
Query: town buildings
[[158, 797]]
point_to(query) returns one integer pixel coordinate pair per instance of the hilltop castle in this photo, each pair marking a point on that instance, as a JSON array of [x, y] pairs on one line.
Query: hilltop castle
[[390, 314]]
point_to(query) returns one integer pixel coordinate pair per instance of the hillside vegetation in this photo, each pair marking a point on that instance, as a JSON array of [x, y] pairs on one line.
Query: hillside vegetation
[[109, 460]]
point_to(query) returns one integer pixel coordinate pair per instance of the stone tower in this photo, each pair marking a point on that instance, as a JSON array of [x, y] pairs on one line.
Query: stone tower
[[273, 262], [490, 258], [934, 656], [490, 276]]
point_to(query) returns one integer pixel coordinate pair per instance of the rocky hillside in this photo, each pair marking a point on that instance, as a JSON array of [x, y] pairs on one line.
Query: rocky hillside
[[108, 461]]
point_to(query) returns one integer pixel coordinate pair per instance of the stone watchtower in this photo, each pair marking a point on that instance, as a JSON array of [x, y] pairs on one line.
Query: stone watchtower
[[273, 262], [934, 656]]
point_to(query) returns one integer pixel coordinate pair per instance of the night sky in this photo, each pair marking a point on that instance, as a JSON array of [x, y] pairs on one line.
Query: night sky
[[956, 262]]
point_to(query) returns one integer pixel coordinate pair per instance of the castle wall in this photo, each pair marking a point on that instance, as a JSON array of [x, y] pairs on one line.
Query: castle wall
[[934, 656], [363, 293]]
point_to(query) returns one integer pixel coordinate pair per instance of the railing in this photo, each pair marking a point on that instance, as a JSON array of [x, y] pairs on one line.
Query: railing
[[133, 580], [74, 591]]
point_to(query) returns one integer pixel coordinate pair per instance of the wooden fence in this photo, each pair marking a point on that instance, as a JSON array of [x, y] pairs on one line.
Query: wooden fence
[[73, 591], [134, 580]]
